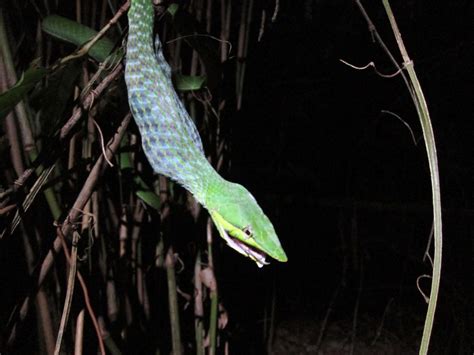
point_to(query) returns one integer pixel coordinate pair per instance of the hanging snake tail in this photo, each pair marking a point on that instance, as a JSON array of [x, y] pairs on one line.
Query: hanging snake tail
[[173, 146]]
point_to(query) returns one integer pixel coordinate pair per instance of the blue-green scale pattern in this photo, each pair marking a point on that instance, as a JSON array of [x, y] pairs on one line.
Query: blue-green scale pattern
[[170, 139]]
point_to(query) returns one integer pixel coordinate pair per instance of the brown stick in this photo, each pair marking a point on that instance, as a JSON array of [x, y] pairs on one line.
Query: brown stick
[[85, 291], [76, 115], [88, 101], [71, 219]]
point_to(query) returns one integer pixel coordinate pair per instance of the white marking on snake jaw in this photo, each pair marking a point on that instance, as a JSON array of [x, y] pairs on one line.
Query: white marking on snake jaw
[[244, 249]]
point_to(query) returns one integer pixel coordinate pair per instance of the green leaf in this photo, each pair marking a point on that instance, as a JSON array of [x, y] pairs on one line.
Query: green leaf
[[146, 193], [189, 82], [75, 33], [143, 191], [17, 92], [172, 9]]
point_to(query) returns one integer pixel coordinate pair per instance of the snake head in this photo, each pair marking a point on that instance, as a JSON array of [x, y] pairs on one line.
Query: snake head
[[242, 223]]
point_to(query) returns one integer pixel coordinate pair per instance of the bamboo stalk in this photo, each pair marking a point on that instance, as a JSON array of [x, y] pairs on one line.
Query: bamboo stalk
[[29, 146], [243, 68], [70, 220], [79, 336], [212, 294], [173, 303], [44, 319], [198, 307], [240, 53]]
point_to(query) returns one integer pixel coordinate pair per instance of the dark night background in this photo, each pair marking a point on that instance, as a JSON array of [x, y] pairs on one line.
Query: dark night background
[[345, 185]]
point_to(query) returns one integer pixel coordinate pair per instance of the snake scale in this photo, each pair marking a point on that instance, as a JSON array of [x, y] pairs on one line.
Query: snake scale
[[173, 146]]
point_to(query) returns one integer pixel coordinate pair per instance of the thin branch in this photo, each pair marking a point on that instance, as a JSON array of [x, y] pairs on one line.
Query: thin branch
[[404, 122], [85, 291], [72, 121], [416, 93], [427, 255], [25, 205], [173, 303], [379, 39], [72, 259], [425, 297], [222, 41], [70, 220], [275, 12], [88, 102], [84, 49], [430, 145], [261, 30], [372, 65], [382, 322], [64, 134], [102, 143]]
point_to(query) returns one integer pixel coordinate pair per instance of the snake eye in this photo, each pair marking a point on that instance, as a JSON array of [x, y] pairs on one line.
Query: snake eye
[[248, 231]]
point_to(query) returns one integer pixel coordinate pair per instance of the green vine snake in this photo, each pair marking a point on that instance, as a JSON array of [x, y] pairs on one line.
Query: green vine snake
[[173, 146]]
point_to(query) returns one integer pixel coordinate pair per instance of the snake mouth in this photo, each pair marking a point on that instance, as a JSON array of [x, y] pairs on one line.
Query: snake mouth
[[249, 249], [256, 255]]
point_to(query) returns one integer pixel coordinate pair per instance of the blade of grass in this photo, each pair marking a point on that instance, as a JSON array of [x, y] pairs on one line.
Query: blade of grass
[[430, 144], [416, 93]]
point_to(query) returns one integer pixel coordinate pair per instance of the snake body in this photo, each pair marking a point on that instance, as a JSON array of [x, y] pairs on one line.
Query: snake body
[[173, 146], [169, 137]]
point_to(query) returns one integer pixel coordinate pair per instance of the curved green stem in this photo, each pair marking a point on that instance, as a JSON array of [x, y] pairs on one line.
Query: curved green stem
[[428, 135]]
